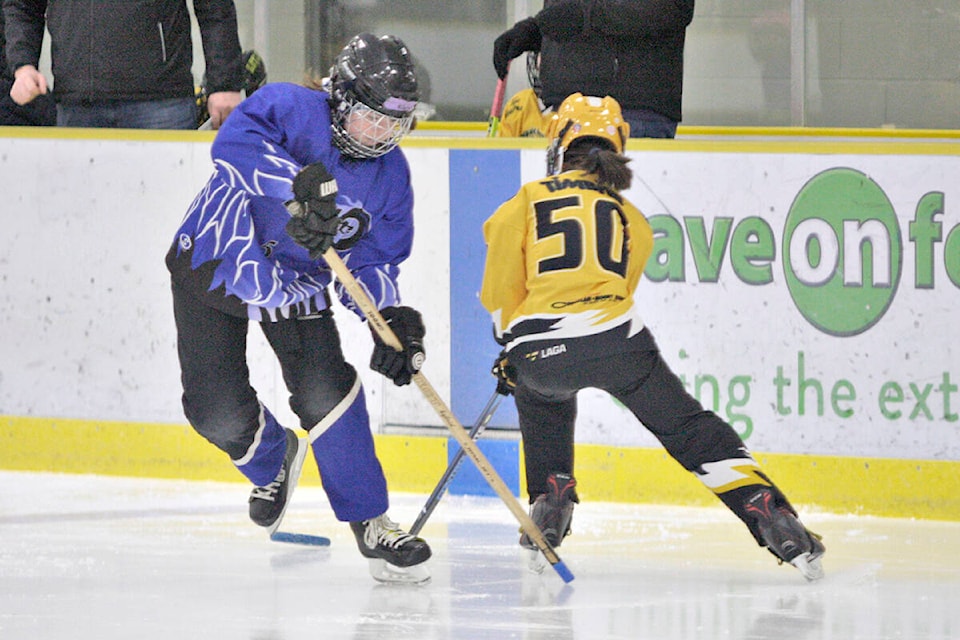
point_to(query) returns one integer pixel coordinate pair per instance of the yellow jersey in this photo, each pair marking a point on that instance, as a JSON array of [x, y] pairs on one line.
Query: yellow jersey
[[564, 257], [522, 117]]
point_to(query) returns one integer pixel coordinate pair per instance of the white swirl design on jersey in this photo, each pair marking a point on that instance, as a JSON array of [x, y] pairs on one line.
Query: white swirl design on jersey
[[225, 232]]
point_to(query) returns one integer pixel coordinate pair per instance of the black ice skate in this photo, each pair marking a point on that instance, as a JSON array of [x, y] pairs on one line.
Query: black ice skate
[[783, 534], [552, 512], [269, 503], [394, 554]]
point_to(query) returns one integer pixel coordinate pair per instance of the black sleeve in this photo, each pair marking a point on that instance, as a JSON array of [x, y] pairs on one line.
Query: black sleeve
[[23, 31], [633, 19], [221, 44]]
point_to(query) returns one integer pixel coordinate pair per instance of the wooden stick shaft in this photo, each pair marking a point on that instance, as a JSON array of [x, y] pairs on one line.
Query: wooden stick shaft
[[459, 432], [454, 465]]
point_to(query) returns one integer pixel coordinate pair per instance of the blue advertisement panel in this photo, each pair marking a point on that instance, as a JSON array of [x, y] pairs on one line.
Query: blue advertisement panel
[[480, 181]]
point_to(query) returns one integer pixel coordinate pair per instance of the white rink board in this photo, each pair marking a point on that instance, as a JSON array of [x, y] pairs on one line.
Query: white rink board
[[85, 307], [88, 330]]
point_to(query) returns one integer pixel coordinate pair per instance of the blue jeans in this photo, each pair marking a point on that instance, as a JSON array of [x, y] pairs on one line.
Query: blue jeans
[[649, 124], [173, 113]]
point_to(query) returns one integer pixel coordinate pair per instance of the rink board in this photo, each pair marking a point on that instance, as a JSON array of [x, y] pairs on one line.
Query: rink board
[[844, 387], [923, 489]]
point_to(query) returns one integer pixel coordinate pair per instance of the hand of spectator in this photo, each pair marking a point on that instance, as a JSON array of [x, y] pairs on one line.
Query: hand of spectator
[[523, 36], [27, 85], [220, 104]]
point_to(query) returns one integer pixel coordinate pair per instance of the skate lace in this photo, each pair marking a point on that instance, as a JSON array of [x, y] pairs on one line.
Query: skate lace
[[384, 531], [270, 491]]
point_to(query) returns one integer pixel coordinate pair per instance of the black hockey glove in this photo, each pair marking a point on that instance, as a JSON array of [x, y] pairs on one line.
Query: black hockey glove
[[523, 36], [313, 220], [505, 373], [561, 21], [400, 366]]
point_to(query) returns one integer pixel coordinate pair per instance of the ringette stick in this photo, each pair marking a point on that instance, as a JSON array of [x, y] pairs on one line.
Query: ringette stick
[[454, 465], [300, 538], [489, 473], [496, 109]]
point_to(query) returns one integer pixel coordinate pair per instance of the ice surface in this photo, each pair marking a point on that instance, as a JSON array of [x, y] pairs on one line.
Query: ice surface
[[97, 558]]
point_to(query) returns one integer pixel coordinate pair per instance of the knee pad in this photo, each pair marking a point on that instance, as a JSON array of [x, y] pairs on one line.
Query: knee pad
[[319, 397], [230, 424]]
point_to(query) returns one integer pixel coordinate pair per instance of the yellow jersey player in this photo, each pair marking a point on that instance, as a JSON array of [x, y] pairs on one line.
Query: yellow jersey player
[[564, 257], [525, 115]]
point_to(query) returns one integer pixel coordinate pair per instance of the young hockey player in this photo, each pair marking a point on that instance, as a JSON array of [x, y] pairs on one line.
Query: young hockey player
[[564, 257], [525, 115], [298, 170]]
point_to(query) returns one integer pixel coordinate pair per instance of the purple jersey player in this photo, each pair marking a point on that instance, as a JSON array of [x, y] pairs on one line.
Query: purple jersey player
[[300, 170]]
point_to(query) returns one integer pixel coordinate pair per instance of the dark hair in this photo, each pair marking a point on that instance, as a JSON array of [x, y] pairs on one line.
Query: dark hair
[[597, 156]]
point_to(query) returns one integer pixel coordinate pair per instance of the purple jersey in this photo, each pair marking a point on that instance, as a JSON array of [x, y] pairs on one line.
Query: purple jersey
[[232, 247]]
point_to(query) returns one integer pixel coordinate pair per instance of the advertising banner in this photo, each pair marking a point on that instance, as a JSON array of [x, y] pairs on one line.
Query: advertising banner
[[809, 299], [808, 296]]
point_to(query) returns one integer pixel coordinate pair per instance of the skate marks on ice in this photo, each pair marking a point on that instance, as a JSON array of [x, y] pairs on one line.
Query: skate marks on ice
[[93, 557]]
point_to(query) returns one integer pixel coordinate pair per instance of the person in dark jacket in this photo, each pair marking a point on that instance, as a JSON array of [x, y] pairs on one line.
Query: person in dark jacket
[[631, 50], [39, 112], [129, 66]]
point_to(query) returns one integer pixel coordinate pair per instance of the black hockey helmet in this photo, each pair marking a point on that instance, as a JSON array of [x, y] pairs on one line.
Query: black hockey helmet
[[377, 73]]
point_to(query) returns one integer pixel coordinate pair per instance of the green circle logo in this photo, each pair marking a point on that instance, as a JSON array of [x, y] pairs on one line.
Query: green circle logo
[[842, 252]]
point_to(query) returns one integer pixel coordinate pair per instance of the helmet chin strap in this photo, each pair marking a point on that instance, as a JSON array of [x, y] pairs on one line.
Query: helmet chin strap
[[555, 151], [554, 158]]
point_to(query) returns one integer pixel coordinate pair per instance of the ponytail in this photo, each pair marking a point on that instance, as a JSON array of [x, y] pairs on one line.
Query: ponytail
[[596, 156]]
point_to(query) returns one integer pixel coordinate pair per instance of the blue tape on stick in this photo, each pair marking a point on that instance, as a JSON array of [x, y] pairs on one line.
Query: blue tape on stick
[[565, 573], [300, 538]]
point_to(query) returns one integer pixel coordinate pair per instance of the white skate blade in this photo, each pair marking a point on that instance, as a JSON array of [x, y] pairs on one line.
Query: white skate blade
[[383, 571], [811, 568], [536, 563]]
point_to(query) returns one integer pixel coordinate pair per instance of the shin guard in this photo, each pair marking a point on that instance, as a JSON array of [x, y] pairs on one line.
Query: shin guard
[[349, 469], [263, 459]]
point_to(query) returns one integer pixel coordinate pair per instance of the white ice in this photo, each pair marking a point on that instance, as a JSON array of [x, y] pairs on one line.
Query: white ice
[[98, 558]]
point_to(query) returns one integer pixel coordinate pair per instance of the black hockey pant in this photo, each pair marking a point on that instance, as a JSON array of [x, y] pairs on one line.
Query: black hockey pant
[[632, 371], [219, 401]]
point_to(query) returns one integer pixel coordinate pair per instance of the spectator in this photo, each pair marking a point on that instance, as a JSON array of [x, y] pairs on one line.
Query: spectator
[[40, 112], [564, 257], [298, 171], [525, 115], [125, 65], [631, 50]]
